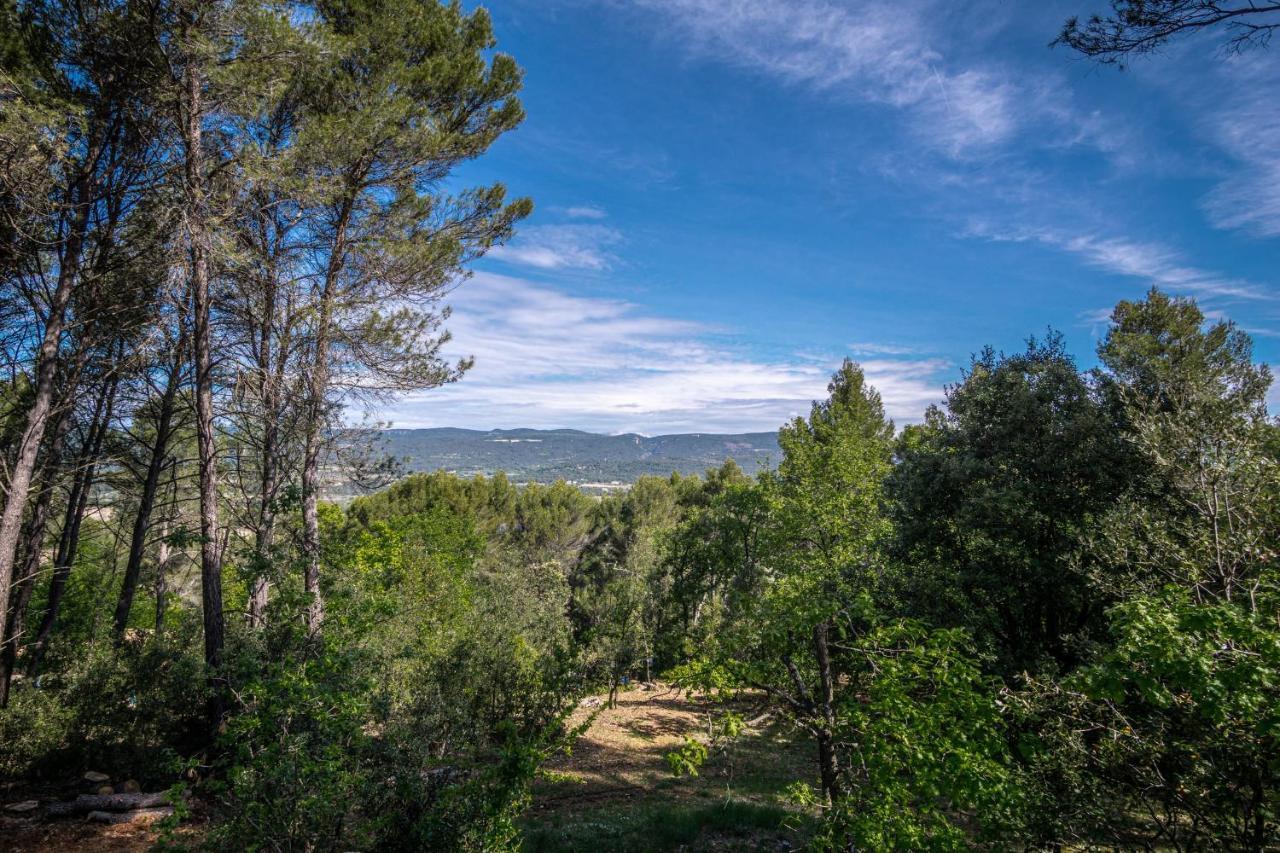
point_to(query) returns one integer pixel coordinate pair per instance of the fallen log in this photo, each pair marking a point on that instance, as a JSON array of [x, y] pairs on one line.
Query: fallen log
[[86, 803], [146, 815]]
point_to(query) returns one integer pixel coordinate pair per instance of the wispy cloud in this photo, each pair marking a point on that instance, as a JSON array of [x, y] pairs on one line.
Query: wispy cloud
[[548, 358], [872, 348], [879, 53], [585, 212], [560, 247], [1247, 127], [1152, 262]]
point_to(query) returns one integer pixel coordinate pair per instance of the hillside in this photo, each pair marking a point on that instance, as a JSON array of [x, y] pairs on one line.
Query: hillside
[[580, 457]]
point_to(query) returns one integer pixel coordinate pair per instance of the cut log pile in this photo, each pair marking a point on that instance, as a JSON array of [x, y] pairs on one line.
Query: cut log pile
[[87, 804], [121, 803]]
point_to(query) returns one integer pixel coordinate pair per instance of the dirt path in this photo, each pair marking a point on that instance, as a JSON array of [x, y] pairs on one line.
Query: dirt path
[[615, 791], [622, 753]]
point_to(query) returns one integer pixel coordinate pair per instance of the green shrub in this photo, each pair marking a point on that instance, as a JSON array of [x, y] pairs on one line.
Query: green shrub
[[127, 711], [34, 727], [1187, 713], [923, 742]]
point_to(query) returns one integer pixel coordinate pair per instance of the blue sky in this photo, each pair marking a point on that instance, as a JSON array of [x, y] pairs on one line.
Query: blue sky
[[733, 195]]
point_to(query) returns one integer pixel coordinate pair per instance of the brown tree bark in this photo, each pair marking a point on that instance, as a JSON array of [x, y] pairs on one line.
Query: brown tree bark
[[77, 504], [33, 535], [318, 388], [198, 232], [162, 581], [828, 760], [269, 482], [147, 500], [24, 465]]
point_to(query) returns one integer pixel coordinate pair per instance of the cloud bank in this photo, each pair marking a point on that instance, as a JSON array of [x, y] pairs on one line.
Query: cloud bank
[[546, 358]]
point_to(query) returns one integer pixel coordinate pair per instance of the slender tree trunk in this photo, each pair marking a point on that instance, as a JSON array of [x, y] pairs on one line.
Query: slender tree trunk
[[198, 226], [146, 503], [77, 503], [162, 582], [264, 531], [260, 587], [38, 415], [33, 534], [318, 387], [311, 526], [828, 760]]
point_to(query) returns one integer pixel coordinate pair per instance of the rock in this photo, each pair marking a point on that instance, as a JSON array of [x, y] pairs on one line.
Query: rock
[[96, 778], [103, 790], [24, 807], [129, 786]]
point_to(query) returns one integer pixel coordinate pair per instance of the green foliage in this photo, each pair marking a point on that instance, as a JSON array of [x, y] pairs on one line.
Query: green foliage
[[1203, 510], [415, 721], [294, 757], [1045, 617], [991, 500], [34, 727], [1187, 702], [129, 711], [688, 758], [922, 733]]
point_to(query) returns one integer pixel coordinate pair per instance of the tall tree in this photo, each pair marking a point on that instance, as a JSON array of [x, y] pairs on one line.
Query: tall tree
[[993, 498], [83, 59], [820, 556], [160, 418], [410, 92], [1203, 514]]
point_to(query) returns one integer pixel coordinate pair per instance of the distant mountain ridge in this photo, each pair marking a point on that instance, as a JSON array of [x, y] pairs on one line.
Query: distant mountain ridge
[[585, 458]]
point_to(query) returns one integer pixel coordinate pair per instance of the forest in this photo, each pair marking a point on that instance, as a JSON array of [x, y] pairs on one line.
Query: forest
[[1047, 617]]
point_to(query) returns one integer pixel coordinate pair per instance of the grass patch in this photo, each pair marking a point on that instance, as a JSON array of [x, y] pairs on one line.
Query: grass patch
[[557, 777]]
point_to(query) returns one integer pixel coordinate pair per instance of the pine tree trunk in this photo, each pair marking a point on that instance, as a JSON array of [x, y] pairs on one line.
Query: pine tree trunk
[[264, 531], [162, 582], [146, 503], [24, 465], [77, 504], [33, 534], [210, 562], [318, 382], [311, 529]]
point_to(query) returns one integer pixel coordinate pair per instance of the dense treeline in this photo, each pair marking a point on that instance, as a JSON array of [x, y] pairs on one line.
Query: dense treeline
[[1045, 617]]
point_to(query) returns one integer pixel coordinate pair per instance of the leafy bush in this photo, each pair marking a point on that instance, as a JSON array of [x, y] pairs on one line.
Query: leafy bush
[[921, 733], [293, 757], [34, 727], [1186, 707], [128, 711]]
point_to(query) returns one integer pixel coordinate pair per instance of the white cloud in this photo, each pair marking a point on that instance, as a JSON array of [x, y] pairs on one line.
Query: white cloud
[[585, 212], [1157, 264], [546, 358], [560, 247], [878, 53], [1247, 126], [872, 348]]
